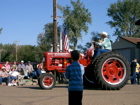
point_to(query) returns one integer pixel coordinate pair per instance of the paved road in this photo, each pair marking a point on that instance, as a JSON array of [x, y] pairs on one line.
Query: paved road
[[33, 95]]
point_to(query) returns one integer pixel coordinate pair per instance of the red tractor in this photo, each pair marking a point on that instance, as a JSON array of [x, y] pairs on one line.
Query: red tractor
[[109, 71]]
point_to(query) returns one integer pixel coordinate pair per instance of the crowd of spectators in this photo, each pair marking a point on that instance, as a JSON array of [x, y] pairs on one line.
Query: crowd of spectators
[[11, 73]]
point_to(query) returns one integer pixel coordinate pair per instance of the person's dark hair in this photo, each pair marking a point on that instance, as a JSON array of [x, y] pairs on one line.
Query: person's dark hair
[[75, 55], [135, 59]]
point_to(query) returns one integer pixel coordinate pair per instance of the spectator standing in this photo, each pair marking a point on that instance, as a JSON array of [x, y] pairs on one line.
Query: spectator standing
[[133, 71], [14, 66], [7, 66], [4, 76], [137, 72], [29, 68], [21, 68], [74, 73]]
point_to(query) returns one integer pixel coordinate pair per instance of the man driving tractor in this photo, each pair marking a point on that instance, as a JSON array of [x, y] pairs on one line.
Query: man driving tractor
[[104, 43]]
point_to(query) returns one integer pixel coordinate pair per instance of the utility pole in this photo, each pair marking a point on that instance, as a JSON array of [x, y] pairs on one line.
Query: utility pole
[[16, 48], [55, 25]]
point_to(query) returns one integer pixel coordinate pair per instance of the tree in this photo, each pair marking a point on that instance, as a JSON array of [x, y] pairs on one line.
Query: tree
[[7, 52], [29, 53], [42, 42], [0, 30], [124, 13], [95, 36], [84, 48], [76, 20], [45, 40], [25, 52]]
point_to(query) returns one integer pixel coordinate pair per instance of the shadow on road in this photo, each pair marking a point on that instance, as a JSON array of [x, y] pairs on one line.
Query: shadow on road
[[57, 86], [38, 88], [30, 87]]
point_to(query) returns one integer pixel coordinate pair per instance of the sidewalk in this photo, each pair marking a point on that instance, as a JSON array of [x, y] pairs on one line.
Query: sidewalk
[[25, 82], [29, 82]]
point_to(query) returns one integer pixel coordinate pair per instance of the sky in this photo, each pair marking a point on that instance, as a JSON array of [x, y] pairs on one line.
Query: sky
[[23, 20]]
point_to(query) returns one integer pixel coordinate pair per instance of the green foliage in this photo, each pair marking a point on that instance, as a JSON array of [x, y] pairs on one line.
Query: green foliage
[[124, 13], [95, 36], [45, 40], [24, 52], [76, 19], [84, 48], [42, 42], [0, 30], [7, 52]]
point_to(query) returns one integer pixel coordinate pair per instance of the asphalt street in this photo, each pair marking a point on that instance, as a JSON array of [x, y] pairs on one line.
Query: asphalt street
[[33, 95]]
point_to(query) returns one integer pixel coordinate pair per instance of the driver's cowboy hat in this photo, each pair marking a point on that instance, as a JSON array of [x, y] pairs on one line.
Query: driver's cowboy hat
[[104, 34]]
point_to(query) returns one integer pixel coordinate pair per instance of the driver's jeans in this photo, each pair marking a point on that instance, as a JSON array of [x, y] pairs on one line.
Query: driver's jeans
[[99, 51]]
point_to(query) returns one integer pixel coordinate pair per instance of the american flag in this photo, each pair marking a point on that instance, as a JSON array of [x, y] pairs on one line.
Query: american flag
[[65, 42]]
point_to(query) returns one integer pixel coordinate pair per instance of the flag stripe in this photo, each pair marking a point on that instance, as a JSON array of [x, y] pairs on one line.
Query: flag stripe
[[65, 40]]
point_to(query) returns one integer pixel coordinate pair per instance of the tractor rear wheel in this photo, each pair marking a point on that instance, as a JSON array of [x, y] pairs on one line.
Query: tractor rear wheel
[[111, 71], [89, 75], [46, 81]]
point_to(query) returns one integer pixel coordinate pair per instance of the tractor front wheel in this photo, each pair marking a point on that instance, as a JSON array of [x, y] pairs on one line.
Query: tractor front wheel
[[46, 81]]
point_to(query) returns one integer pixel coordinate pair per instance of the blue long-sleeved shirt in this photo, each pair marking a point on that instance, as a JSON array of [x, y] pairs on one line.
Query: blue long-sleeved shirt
[[74, 73]]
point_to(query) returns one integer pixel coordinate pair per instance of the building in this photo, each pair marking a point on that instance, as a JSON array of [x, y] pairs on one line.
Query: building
[[137, 22], [128, 47]]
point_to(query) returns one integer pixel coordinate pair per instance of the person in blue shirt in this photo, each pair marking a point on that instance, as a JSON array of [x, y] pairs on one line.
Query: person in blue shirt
[[74, 73]]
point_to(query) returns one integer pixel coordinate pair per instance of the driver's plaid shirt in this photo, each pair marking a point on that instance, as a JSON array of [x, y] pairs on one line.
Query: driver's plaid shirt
[[106, 44]]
